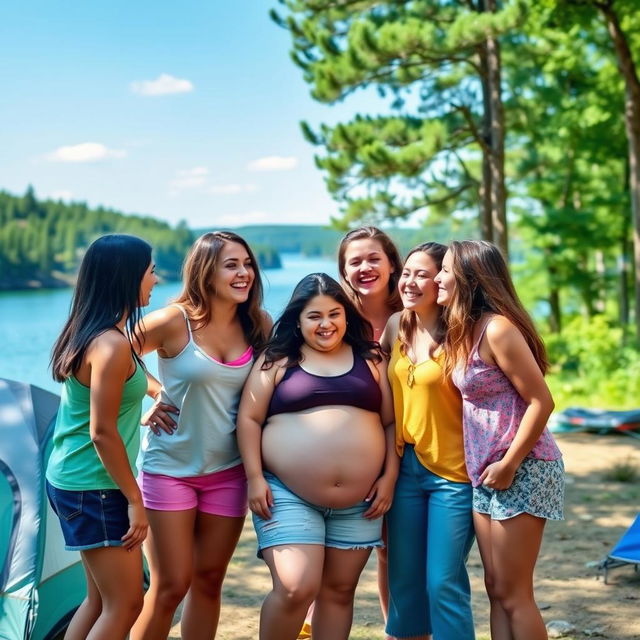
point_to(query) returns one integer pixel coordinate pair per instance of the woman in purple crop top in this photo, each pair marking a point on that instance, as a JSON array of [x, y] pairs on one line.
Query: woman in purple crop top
[[316, 434], [498, 362]]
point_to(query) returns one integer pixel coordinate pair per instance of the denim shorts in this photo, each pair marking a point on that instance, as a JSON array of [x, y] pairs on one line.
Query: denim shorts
[[537, 489], [90, 519], [296, 521]]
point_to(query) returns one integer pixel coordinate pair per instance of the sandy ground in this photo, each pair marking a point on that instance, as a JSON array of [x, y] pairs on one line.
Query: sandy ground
[[568, 585]]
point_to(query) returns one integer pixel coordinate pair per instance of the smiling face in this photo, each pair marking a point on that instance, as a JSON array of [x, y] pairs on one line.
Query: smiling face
[[417, 288], [234, 274], [367, 267], [323, 323], [446, 281], [149, 280]]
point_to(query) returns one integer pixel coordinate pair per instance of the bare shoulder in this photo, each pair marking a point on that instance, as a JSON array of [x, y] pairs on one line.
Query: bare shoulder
[[390, 332], [110, 344], [167, 316], [502, 333]]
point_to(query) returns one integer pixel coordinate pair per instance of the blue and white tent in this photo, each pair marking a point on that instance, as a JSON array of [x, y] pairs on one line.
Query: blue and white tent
[[41, 584], [626, 551]]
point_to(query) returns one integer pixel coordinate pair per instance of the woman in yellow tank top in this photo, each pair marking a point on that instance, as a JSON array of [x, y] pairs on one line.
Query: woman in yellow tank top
[[430, 528]]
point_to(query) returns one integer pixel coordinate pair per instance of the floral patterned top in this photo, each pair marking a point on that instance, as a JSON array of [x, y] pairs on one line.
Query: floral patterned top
[[492, 410]]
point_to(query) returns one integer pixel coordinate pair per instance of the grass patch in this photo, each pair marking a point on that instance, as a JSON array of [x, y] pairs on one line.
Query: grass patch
[[625, 470]]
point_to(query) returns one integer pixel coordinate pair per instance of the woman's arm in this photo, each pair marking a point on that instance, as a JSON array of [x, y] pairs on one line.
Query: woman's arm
[[252, 413], [109, 358], [512, 354], [381, 493]]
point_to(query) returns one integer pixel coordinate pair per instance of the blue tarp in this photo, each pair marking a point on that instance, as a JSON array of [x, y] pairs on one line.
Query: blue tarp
[[626, 551]]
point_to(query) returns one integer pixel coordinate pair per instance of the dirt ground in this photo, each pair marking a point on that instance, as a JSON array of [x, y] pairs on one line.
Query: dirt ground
[[568, 585]]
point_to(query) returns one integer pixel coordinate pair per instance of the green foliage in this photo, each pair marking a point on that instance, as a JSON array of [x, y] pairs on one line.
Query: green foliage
[[41, 242], [591, 368]]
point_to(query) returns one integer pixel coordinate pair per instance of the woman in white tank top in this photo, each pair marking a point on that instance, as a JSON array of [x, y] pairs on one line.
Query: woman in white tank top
[[192, 479]]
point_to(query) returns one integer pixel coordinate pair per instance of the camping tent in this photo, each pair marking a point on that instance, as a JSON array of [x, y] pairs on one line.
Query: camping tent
[[41, 584], [626, 551]]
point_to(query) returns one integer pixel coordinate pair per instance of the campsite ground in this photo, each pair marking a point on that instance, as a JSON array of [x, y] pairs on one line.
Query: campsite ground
[[598, 511]]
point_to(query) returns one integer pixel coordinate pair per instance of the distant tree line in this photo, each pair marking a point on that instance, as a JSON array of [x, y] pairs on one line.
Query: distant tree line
[[42, 241]]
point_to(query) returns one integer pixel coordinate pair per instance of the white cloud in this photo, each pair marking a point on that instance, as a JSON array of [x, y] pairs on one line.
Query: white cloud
[[273, 163], [62, 194], [232, 189], [85, 152], [188, 179], [163, 85]]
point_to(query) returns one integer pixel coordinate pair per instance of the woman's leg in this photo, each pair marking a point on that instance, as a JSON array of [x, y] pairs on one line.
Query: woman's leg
[[296, 572], [333, 614], [382, 557], [88, 612], [499, 621], [515, 544], [117, 573], [407, 538], [216, 538], [449, 539], [169, 551]]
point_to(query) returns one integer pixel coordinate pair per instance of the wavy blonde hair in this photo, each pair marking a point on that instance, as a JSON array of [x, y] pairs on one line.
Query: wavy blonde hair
[[197, 271], [483, 285]]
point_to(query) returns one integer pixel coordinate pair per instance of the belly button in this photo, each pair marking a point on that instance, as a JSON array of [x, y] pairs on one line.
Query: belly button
[[338, 484]]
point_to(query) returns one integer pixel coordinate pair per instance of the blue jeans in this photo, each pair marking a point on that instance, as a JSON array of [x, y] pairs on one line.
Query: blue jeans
[[430, 533]]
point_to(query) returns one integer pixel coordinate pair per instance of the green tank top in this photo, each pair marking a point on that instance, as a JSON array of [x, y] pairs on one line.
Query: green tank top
[[74, 464]]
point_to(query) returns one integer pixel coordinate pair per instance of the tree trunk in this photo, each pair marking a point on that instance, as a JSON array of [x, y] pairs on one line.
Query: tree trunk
[[486, 219], [632, 123], [496, 142]]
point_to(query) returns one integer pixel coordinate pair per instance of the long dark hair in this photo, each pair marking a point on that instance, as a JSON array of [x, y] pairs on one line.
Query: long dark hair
[[408, 319], [286, 339], [390, 250], [107, 289], [197, 271], [483, 284]]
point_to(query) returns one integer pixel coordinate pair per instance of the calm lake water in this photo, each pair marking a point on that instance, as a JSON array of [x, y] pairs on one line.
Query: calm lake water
[[31, 320]]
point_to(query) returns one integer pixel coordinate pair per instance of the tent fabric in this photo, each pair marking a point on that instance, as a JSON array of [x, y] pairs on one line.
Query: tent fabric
[[626, 551], [33, 560]]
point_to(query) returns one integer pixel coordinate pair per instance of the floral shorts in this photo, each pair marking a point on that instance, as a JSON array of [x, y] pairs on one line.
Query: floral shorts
[[537, 489]]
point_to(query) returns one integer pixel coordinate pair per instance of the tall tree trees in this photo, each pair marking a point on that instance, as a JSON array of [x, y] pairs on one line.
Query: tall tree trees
[[441, 147]]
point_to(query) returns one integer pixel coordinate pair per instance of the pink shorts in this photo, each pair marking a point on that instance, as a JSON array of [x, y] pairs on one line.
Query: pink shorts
[[222, 493]]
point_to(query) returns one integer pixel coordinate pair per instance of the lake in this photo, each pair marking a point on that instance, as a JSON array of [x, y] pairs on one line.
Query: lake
[[31, 320]]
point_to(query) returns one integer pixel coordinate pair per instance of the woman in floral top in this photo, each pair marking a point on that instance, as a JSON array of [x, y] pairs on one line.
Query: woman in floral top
[[498, 361]]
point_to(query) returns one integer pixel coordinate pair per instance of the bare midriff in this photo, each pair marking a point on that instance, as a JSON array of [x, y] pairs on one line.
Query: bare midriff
[[330, 455]]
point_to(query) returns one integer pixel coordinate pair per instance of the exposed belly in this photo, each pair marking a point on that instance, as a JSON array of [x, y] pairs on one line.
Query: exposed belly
[[329, 456]]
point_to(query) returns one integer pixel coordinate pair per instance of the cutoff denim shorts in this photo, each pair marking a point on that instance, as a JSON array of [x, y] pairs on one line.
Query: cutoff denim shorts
[[537, 489], [296, 521], [90, 519]]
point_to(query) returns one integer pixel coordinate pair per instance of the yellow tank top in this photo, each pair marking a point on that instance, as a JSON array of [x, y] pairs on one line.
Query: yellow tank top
[[428, 411]]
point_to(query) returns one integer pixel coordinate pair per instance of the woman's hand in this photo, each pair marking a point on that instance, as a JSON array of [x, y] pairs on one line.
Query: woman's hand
[[260, 497], [381, 496], [138, 526], [159, 417], [498, 475]]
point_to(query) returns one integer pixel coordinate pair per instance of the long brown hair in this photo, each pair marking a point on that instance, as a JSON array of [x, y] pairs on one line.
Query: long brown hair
[[408, 319], [390, 250], [483, 285], [197, 272], [107, 290]]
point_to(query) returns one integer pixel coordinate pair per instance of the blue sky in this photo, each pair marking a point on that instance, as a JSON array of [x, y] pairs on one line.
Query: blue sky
[[184, 110]]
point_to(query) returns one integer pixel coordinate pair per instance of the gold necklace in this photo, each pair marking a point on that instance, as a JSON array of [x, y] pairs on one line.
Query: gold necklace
[[410, 374]]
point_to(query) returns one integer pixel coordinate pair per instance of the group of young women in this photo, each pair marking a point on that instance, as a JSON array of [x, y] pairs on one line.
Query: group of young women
[[402, 409]]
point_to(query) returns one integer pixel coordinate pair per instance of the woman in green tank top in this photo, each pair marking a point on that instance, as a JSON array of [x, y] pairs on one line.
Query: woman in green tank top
[[90, 482]]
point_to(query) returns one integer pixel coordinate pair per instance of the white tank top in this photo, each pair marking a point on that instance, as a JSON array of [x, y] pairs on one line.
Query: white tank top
[[207, 392]]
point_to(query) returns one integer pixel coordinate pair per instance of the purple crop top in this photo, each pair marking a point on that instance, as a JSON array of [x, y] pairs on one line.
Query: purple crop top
[[299, 390]]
